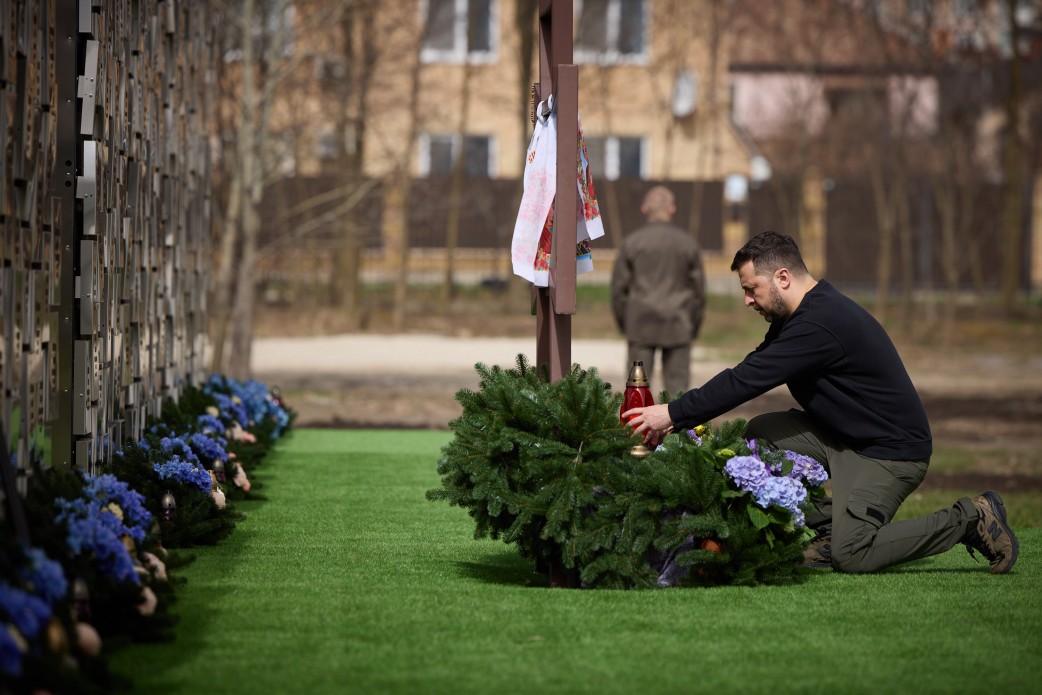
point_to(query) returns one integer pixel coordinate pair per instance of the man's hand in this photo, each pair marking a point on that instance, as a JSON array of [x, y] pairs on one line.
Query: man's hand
[[652, 421]]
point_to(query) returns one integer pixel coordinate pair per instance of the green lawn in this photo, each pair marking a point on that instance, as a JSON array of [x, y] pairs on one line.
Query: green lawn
[[347, 580]]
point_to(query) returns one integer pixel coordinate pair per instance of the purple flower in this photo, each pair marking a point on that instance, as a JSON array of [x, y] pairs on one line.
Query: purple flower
[[765, 482], [747, 472], [807, 469]]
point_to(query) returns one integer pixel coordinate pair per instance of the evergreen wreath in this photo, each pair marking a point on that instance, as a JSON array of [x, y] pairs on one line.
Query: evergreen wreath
[[547, 468]]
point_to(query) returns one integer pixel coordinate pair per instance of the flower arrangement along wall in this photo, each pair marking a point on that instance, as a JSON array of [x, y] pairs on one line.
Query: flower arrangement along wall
[[547, 467], [98, 562]]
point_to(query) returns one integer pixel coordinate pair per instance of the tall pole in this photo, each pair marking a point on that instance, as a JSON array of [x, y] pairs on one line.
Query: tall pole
[[559, 76], [66, 172]]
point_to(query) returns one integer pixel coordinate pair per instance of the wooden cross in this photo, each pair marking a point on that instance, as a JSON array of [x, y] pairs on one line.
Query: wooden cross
[[559, 76]]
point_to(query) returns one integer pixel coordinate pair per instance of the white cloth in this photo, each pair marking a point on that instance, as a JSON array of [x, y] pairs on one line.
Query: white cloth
[[540, 187]]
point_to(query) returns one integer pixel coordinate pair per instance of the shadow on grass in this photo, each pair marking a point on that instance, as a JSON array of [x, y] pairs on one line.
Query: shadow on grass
[[504, 567], [145, 666]]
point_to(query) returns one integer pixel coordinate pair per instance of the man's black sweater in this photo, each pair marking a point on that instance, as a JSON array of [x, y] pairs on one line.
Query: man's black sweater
[[840, 365]]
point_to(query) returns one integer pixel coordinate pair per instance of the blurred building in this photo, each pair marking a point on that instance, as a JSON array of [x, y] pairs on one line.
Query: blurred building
[[758, 114]]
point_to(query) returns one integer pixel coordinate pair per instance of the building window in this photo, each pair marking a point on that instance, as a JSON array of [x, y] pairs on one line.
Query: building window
[[456, 31], [327, 144], [439, 154], [611, 31], [616, 157]]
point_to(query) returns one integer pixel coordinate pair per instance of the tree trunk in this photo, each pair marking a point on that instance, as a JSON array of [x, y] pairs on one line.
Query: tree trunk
[[900, 195], [944, 189], [396, 243], [885, 219], [238, 362], [223, 283], [1013, 170], [448, 288], [359, 60], [245, 294], [396, 203]]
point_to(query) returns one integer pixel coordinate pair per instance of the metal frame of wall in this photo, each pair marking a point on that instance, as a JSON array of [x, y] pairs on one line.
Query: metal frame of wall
[[105, 111]]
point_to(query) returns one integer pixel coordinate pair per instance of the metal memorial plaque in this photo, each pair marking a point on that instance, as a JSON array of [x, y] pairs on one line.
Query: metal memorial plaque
[[104, 229]]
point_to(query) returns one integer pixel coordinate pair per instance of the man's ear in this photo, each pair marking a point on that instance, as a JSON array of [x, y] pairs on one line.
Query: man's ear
[[783, 278]]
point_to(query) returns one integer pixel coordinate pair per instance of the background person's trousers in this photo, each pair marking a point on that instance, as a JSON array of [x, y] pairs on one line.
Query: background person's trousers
[[676, 364], [866, 493]]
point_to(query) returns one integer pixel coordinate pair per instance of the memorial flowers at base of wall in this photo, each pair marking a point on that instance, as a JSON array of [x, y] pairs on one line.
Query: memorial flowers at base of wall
[[249, 404], [28, 605], [97, 521], [98, 562]]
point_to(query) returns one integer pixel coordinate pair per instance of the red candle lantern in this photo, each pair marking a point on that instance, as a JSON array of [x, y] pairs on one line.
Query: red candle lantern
[[637, 395]]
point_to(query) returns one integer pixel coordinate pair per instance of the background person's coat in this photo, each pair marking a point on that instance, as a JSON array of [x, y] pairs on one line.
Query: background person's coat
[[658, 286]]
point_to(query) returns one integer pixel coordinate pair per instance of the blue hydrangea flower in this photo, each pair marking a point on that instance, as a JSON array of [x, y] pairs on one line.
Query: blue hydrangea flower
[[748, 472], [11, 654], [207, 448], [26, 612], [106, 489], [232, 409], [93, 535], [184, 472], [208, 424], [44, 576], [96, 530], [784, 492], [176, 446], [247, 403]]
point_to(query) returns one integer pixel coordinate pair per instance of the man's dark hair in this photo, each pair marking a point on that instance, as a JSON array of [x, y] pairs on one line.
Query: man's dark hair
[[769, 251]]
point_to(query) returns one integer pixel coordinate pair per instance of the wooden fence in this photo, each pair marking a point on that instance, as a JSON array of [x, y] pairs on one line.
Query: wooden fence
[[849, 253]]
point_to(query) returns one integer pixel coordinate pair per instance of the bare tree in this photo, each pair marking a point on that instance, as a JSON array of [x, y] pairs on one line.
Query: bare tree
[[265, 59], [459, 169], [359, 54], [397, 197], [1013, 174]]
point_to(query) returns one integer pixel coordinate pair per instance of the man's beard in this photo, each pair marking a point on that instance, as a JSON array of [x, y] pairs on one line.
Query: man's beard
[[775, 310]]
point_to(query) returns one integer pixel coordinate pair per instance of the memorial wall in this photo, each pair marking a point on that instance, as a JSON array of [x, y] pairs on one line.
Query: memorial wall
[[105, 207]]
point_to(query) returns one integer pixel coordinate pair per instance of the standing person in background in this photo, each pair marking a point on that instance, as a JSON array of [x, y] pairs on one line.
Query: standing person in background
[[658, 291]]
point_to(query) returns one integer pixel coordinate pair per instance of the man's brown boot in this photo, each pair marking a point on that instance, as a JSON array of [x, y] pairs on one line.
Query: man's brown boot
[[818, 553], [992, 536]]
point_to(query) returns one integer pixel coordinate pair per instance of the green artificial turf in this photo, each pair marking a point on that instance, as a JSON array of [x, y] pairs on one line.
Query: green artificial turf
[[346, 580]]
